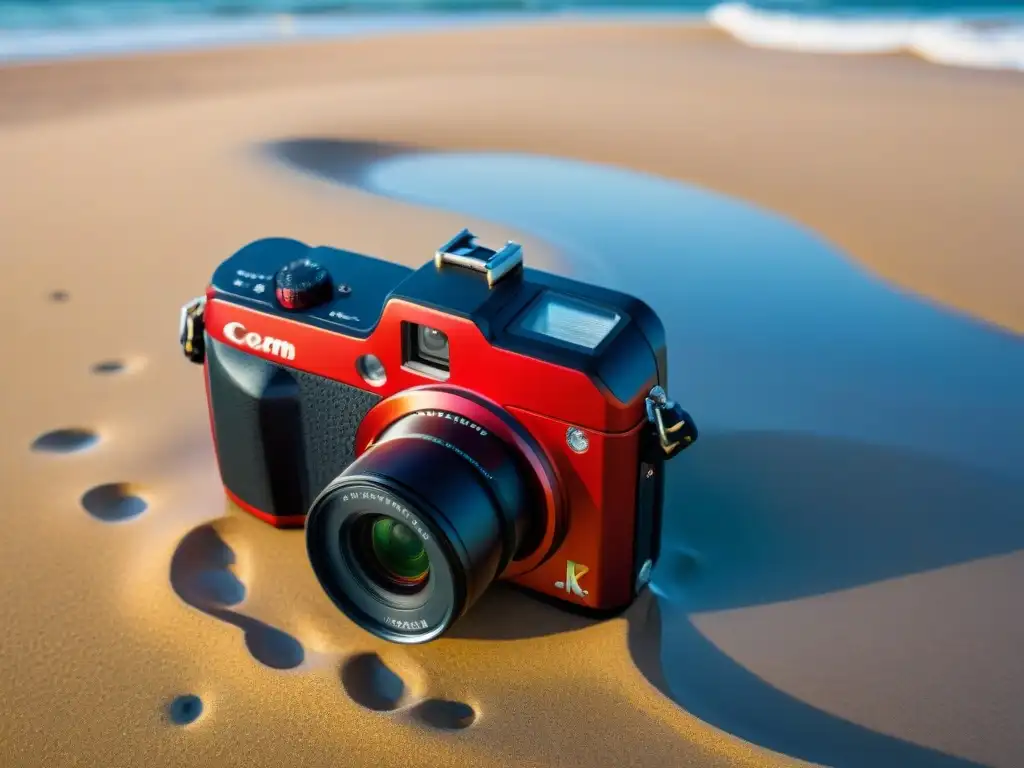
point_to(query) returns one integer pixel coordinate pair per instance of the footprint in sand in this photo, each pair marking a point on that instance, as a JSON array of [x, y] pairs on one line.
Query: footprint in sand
[[185, 709], [67, 440], [113, 502], [444, 715], [201, 575], [374, 685], [107, 367]]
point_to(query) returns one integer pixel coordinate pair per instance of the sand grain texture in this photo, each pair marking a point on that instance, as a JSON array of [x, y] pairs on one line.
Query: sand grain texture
[[124, 183]]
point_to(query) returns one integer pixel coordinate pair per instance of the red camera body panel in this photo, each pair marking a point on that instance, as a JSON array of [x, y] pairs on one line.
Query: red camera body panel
[[600, 489]]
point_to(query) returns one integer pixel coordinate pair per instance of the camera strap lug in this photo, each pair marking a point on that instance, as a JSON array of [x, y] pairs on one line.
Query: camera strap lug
[[464, 251], [190, 330], [672, 428]]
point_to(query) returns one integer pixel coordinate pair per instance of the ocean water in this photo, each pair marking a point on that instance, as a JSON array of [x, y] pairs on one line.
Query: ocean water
[[987, 34]]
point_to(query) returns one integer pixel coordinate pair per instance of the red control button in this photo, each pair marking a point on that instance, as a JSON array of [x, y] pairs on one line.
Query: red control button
[[302, 284]]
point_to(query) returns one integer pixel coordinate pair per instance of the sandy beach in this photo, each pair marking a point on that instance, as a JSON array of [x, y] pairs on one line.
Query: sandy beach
[[125, 182]]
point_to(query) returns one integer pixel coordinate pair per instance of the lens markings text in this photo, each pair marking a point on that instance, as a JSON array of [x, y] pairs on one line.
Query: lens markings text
[[410, 520]]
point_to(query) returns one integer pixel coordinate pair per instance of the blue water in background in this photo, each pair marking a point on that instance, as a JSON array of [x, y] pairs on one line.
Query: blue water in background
[[984, 34], [40, 14]]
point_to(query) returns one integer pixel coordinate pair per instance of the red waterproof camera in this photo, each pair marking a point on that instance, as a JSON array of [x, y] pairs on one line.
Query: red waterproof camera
[[441, 428]]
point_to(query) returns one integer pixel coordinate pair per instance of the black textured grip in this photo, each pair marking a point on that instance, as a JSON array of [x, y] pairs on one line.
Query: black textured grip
[[281, 434], [331, 414]]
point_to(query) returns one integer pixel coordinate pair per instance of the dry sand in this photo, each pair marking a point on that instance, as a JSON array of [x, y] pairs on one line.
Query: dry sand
[[125, 182]]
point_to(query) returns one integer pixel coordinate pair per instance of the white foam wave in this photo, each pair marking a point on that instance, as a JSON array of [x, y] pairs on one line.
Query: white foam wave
[[954, 42]]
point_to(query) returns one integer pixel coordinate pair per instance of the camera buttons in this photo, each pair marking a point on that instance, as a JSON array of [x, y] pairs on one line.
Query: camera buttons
[[372, 370], [577, 440], [672, 427], [190, 330], [302, 284]]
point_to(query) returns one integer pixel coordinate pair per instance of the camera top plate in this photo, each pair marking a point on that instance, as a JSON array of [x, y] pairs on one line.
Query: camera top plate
[[521, 310]]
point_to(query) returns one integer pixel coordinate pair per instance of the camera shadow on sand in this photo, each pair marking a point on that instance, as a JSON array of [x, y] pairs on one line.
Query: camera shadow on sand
[[852, 436], [202, 576]]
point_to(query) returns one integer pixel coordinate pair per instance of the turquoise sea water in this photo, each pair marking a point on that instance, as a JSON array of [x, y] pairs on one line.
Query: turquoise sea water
[[986, 34]]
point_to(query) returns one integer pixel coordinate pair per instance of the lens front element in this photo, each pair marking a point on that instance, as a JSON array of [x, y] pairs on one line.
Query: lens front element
[[398, 552]]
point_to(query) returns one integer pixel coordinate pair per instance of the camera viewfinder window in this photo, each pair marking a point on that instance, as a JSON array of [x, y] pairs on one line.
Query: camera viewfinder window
[[569, 320], [426, 351]]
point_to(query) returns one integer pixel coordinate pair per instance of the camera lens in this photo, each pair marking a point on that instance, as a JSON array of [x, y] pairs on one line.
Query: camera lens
[[433, 345], [409, 536], [394, 553]]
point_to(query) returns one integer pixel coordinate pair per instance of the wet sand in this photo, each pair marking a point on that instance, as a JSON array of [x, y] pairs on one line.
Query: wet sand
[[131, 583]]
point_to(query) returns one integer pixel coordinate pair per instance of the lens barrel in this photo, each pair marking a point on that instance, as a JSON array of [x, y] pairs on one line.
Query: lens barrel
[[407, 538]]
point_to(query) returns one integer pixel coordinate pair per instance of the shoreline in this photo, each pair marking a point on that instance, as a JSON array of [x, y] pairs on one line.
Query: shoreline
[[964, 38]]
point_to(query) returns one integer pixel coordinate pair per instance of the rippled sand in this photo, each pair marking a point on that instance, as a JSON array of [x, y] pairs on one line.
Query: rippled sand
[[146, 622]]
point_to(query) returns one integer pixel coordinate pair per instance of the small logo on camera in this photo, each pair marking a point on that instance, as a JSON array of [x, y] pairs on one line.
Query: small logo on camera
[[573, 573], [404, 624], [236, 332]]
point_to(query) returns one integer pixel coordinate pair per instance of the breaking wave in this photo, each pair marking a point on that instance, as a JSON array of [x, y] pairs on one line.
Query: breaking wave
[[995, 42]]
